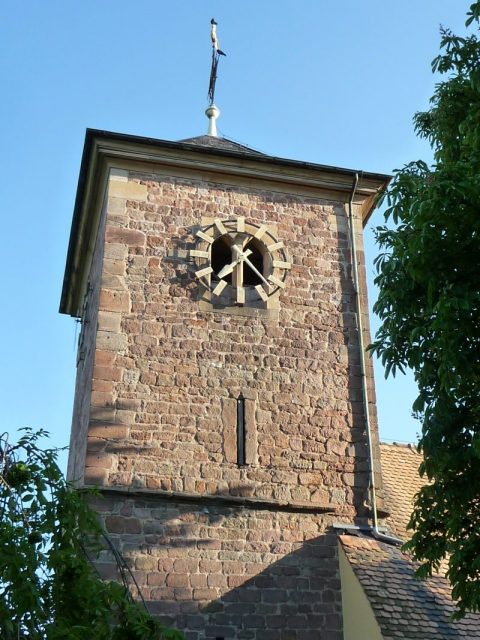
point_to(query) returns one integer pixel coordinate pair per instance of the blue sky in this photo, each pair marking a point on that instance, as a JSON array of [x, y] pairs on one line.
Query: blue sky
[[317, 80]]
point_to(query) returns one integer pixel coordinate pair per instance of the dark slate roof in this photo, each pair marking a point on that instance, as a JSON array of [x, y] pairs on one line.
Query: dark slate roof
[[215, 142], [405, 608]]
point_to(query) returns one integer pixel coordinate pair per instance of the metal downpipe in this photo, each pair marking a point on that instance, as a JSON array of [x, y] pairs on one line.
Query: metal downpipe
[[356, 286], [358, 308]]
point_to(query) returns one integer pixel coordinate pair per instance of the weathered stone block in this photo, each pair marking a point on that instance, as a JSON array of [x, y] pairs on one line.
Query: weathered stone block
[[229, 424], [114, 301], [116, 251], [127, 190]]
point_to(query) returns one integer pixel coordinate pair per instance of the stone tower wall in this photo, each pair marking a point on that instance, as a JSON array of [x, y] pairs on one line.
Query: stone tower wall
[[221, 550], [87, 356], [165, 372]]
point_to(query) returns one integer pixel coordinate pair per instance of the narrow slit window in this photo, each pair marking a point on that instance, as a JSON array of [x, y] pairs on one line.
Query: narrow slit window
[[241, 431]]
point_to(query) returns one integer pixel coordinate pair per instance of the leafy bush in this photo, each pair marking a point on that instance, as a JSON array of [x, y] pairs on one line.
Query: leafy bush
[[49, 589]]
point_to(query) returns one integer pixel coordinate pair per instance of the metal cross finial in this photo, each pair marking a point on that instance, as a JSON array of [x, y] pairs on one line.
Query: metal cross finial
[[216, 53]]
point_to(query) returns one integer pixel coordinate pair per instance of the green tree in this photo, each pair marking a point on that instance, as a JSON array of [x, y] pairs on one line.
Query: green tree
[[429, 305], [49, 589]]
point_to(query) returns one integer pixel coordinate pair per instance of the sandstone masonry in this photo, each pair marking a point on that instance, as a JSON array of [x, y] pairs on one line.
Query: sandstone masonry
[[221, 550]]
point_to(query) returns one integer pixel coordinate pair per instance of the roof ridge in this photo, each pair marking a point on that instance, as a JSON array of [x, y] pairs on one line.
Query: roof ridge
[[402, 445]]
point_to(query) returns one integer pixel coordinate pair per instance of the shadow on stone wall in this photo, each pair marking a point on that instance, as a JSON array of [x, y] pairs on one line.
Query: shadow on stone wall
[[230, 573], [295, 597]]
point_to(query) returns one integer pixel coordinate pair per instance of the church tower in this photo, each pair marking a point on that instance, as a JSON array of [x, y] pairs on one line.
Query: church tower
[[220, 402]]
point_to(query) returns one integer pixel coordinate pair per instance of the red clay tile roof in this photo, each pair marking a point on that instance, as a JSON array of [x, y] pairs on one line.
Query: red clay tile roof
[[400, 484], [404, 607]]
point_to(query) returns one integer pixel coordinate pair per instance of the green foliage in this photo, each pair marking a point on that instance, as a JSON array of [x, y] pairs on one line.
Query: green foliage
[[429, 305], [49, 589]]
